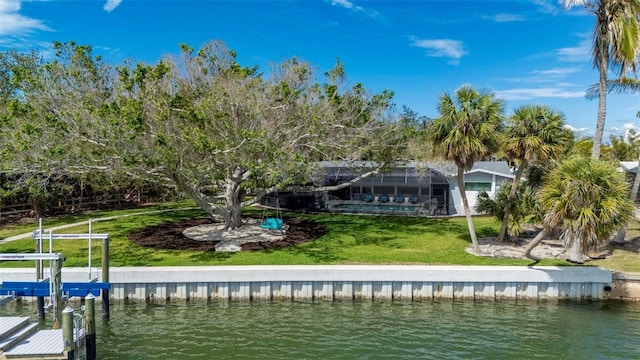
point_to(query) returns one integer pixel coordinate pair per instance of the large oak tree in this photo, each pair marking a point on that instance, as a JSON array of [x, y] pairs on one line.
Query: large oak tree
[[223, 133]]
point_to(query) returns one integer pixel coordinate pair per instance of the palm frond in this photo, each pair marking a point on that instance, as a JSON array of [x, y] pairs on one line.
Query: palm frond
[[589, 196], [616, 86]]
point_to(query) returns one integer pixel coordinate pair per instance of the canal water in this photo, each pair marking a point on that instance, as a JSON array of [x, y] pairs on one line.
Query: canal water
[[367, 330]]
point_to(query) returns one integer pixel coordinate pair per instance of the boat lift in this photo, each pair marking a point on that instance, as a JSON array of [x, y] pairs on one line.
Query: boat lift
[[51, 288], [79, 289]]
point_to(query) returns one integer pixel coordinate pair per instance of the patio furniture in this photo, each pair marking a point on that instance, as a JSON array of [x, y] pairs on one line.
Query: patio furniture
[[383, 198], [432, 206], [368, 198], [413, 199], [398, 199]]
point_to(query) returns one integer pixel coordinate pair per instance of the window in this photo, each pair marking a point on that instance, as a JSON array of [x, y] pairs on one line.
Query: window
[[477, 186]]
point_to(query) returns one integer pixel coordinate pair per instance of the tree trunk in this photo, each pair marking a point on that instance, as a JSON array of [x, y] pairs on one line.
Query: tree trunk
[[536, 240], [633, 195], [467, 211], [602, 105], [575, 253], [202, 200], [233, 205], [514, 187], [233, 218]]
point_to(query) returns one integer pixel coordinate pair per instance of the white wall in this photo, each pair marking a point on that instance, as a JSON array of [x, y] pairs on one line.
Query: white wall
[[299, 282], [455, 207]]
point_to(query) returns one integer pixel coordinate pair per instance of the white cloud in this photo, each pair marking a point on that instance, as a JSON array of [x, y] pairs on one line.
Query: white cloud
[[580, 132], [579, 53], [343, 3], [575, 129], [442, 48], [7, 6], [504, 18], [547, 75], [14, 24], [351, 6], [556, 72], [111, 4], [547, 6], [534, 93]]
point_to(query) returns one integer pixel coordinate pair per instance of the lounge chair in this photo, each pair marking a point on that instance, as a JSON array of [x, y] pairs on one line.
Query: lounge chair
[[383, 198], [398, 199], [413, 199], [367, 198]]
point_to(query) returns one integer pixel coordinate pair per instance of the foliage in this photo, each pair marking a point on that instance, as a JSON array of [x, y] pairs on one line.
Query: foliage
[[468, 127], [622, 148], [467, 130], [522, 206], [586, 198], [223, 133], [616, 37], [580, 147], [415, 129], [535, 134]]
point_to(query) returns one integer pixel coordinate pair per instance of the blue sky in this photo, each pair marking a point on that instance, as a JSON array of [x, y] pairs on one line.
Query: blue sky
[[526, 51]]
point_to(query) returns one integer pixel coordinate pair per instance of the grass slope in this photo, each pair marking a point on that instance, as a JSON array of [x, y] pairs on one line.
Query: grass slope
[[352, 239]]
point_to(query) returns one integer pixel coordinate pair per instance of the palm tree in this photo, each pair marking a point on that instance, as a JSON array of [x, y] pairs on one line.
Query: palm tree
[[522, 206], [622, 148], [466, 131], [615, 42], [587, 198], [534, 133], [633, 195]]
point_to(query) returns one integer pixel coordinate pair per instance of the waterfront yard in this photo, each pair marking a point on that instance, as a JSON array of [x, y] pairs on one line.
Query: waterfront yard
[[351, 239]]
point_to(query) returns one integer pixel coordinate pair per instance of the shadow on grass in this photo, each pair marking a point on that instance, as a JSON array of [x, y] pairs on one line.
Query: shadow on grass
[[211, 256], [378, 240], [318, 255]]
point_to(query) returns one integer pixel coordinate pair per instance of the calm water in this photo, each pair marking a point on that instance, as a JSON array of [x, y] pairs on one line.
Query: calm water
[[354, 330]]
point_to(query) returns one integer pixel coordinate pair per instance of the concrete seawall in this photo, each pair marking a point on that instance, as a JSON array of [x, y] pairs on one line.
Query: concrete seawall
[[374, 282], [625, 286]]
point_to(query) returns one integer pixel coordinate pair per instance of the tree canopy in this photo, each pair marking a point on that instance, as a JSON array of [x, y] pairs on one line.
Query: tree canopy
[[224, 133]]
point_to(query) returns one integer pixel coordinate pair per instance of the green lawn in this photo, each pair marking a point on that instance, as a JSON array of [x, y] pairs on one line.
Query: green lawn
[[351, 240]]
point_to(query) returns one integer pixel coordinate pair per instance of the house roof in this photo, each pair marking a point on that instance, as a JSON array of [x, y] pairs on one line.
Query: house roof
[[630, 166], [447, 168], [500, 168]]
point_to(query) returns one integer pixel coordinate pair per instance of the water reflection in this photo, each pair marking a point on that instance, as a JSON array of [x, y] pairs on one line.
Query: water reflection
[[368, 330]]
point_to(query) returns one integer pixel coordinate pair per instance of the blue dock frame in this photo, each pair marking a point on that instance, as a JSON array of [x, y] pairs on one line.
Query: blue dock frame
[[71, 289]]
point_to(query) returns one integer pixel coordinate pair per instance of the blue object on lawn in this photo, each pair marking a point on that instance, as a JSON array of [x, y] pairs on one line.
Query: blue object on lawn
[[271, 224]]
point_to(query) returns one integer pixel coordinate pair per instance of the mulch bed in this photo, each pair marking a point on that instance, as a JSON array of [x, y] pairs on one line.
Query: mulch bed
[[169, 236]]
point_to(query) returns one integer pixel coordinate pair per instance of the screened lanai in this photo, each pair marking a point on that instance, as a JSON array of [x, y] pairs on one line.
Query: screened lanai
[[405, 188]]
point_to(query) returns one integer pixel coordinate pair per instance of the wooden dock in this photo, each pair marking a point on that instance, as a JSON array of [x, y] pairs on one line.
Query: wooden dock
[[21, 340]]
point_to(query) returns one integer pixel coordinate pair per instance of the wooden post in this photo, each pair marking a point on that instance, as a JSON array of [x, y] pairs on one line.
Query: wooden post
[[40, 307], [90, 313], [57, 288], [105, 278], [67, 333]]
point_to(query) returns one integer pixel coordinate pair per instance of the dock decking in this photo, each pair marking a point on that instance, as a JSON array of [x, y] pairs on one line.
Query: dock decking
[[21, 340]]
